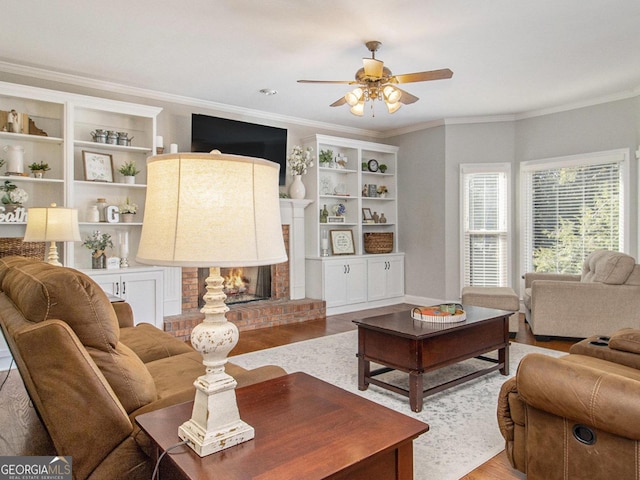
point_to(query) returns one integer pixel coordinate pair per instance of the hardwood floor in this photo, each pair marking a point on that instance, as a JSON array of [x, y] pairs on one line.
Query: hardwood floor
[[21, 432]]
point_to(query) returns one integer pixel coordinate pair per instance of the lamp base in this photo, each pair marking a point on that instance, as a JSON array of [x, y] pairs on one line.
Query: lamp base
[[215, 405], [53, 258], [215, 421]]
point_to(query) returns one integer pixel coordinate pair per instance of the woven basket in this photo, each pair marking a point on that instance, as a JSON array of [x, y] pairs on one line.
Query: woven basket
[[378, 242], [15, 246]]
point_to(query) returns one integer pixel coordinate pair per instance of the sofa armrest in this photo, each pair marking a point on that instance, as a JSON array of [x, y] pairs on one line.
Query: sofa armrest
[[71, 395], [530, 277], [597, 398], [124, 313]]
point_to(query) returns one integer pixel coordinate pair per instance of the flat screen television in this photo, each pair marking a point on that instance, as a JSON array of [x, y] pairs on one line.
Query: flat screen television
[[240, 138]]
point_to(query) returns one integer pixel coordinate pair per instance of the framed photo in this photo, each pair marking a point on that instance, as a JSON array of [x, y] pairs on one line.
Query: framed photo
[[366, 215], [98, 167], [342, 242]]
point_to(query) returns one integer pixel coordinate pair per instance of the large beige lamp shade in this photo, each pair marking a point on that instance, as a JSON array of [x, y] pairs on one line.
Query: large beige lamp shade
[[52, 224], [212, 210]]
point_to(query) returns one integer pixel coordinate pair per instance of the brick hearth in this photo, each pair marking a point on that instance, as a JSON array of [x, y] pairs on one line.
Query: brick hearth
[[279, 310]]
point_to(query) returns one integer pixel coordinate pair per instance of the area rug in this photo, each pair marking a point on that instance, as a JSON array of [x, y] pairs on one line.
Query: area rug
[[463, 425]]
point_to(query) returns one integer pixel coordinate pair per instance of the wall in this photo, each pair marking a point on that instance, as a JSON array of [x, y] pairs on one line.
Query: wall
[[429, 180], [421, 210]]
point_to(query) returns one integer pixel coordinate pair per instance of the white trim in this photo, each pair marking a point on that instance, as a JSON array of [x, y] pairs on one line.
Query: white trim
[[619, 155], [80, 81]]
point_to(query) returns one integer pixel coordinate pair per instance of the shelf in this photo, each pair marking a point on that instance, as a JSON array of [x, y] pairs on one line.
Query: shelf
[[110, 184], [379, 199], [110, 224], [337, 170], [23, 137], [20, 178], [109, 146]]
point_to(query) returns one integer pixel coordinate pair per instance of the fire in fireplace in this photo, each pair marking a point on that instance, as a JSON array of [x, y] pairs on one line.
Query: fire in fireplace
[[241, 285]]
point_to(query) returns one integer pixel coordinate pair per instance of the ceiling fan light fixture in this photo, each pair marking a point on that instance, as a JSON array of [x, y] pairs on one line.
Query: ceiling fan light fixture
[[393, 107], [354, 97], [358, 109], [391, 94]]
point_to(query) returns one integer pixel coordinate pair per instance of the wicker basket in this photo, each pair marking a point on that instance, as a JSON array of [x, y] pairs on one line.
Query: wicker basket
[[15, 246], [378, 242]]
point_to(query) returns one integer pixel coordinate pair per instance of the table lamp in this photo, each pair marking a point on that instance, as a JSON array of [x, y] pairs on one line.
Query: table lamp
[[52, 224], [212, 210]]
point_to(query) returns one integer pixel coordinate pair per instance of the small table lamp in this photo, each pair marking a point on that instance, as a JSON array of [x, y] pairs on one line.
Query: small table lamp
[[52, 224], [221, 210]]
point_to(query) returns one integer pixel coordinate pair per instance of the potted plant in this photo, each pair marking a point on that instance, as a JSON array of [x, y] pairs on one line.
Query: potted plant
[[382, 168], [129, 171], [38, 169], [12, 194], [127, 211], [326, 157], [98, 243]]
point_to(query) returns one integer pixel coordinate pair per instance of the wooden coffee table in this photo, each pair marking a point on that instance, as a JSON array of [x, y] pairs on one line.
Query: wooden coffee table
[[305, 429], [399, 342]]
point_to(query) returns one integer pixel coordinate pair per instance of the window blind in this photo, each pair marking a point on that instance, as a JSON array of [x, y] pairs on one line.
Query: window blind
[[573, 206], [485, 227]]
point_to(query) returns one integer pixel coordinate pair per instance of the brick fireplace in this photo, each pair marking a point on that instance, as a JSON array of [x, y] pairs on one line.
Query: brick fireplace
[[287, 303]]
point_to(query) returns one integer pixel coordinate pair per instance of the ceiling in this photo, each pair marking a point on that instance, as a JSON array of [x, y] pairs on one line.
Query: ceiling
[[509, 57]]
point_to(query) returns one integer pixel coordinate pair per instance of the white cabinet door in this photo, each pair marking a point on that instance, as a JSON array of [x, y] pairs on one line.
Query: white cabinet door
[[142, 290], [385, 277], [345, 282]]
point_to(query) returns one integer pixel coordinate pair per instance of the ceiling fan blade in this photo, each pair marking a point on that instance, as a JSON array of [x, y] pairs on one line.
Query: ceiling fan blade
[[337, 103], [373, 67], [442, 74], [343, 82], [406, 97]]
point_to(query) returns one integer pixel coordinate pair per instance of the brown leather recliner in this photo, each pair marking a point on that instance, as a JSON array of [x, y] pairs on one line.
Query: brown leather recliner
[[89, 371], [577, 416]]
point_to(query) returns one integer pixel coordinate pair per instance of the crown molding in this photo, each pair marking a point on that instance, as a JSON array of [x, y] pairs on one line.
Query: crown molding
[[80, 81], [77, 80]]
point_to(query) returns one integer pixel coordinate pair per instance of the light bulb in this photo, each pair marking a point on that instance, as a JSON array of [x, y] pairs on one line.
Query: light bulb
[[358, 109], [392, 94], [353, 97]]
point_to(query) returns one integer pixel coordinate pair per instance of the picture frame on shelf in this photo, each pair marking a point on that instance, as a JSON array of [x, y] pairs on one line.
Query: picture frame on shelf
[[367, 216], [342, 242], [335, 219], [98, 167]]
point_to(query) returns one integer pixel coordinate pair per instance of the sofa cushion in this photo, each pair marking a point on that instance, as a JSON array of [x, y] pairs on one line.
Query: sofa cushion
[[43, 292], [603, 266], [150, 343]]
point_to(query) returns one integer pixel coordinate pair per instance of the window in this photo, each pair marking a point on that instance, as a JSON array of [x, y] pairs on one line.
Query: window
[[571, 207], [485, 224]]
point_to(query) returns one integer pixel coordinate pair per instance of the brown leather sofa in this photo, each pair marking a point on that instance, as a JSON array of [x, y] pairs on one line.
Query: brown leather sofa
[[577, 416], [89, 371]]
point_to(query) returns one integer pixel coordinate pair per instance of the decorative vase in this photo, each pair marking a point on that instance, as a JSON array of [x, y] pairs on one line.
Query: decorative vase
[[130, 179], [99, 261], [127, 217], [296, 189]]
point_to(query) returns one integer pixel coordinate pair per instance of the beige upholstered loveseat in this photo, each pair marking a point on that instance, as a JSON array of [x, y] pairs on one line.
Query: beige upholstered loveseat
[[605, 298], [89, 371]]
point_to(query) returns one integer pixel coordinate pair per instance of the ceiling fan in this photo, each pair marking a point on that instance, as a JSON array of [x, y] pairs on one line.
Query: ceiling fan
[[376, 82]]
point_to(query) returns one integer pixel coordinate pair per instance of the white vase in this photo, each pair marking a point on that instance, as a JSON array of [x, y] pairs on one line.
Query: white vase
[[296, 189], [130, 179]]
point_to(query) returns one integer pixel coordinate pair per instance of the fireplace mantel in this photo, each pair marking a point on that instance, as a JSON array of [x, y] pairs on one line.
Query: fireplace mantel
[[292, 214]]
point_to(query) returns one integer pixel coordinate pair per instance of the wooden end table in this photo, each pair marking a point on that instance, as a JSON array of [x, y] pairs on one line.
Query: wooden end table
[[399, 342], [305, 428]]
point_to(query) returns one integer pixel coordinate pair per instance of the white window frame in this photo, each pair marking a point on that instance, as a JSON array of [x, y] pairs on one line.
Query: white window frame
[[620, 156], [476, 168]]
